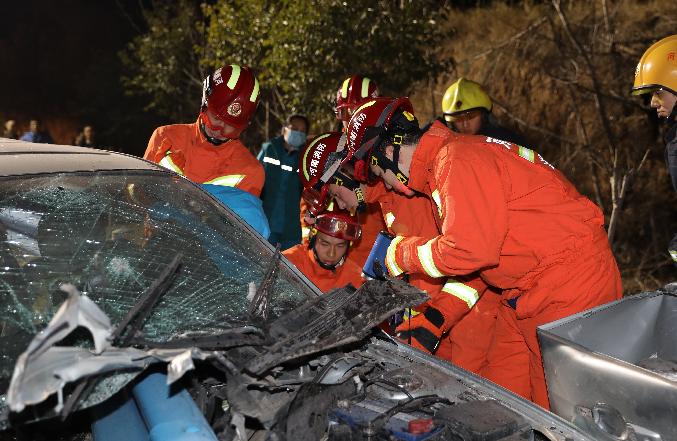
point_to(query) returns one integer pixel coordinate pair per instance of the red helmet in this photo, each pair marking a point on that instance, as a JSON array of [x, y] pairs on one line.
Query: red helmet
[[340, 224], [231, 93], [312, 164], [351, 93], [369, 126]]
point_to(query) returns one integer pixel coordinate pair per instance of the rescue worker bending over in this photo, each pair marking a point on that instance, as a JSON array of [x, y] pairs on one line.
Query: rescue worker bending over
[[209, 151], [504, 212], [466, 108], [656, 74], [467, 343], [350, 94], [324, 261]]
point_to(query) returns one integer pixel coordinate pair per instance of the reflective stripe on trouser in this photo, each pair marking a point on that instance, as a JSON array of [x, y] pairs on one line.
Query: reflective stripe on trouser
[[167, 163], [425, 256], [461, 291], [227, 181]]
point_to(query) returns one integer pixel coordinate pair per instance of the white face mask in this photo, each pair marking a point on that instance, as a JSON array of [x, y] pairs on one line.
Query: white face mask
[[295, 138]]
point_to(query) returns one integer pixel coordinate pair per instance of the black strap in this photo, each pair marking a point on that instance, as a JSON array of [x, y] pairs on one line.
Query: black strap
[[426, 338], [434, 316]]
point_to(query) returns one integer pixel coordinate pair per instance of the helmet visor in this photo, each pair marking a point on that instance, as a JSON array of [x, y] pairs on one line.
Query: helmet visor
[[339, 228]]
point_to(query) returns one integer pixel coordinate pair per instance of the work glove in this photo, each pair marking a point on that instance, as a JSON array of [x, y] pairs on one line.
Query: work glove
[[375, 266], [423, 331]]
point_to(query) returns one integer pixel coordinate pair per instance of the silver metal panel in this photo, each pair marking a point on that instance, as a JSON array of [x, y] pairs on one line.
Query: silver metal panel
[[20, 158], [592, 357]]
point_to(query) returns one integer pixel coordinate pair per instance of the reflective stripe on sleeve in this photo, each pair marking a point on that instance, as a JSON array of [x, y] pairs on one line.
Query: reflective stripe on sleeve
[[270, 160], [425, 256], [167, 162], [286, 168], [227, 181], [436, 198], [673, 254], [462, 291], [393, 268], [526, 153], [390, 218]]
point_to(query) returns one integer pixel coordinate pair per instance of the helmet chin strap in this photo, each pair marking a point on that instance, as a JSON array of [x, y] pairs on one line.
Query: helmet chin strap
[[211, 139], [346, 181], [379, 159]]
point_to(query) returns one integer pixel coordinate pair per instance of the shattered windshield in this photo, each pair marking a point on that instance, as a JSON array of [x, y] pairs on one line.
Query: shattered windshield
[[111, 235]]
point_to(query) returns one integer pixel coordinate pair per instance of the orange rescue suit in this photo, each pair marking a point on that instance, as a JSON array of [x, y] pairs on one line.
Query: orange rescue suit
[[467, 343], [508, 214], [324, 279], [184, 149]]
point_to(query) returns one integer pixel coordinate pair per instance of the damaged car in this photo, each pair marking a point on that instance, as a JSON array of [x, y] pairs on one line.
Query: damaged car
[[136, 306]]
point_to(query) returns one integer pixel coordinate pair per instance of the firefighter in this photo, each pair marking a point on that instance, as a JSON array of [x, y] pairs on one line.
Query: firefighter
[[209, 150], [350, 93], [656, 74], [324, 260], [467, 343], [466, 108], [504, 212]]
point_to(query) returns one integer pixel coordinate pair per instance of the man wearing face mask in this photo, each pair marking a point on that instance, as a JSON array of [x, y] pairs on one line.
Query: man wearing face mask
[[209, 151], [282, 189]]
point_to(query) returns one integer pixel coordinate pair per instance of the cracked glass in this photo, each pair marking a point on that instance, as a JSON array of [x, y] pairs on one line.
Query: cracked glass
[[111, 235]]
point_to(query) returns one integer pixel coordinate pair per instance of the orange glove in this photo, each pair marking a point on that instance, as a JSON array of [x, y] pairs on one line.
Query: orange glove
[[423, 331]]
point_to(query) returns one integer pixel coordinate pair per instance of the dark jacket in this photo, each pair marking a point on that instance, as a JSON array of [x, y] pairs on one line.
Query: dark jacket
[[281, 193], [671, 153]]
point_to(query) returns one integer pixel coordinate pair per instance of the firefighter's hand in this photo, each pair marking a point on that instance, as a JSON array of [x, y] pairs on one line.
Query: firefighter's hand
[[420, 332]]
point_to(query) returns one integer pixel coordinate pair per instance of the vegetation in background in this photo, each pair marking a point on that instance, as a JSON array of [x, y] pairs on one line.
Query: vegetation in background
[[560, 72]]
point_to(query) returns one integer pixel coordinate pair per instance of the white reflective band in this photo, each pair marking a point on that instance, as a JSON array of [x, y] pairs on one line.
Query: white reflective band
[[255, 91], [425, 256], [526, 153], [270, 160], [167, 162], [234, 76], [438, 202], [673, 254], [305, 232], [464, 292], [287, 168], [344, 88], [365, 87], [391, 262], [390, 218], [227, 181]]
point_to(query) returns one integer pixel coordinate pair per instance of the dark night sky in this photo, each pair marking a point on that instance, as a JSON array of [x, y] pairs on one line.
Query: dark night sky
[[60, 64]]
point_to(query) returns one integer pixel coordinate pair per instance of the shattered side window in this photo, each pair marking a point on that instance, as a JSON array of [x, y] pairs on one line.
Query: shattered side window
[[112, 235]]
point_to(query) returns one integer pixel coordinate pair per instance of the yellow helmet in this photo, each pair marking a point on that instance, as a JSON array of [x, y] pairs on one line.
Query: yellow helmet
[[657, 69], [465, 95]]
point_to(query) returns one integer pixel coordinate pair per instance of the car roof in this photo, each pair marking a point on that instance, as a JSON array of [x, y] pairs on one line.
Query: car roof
[[21, 157]]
